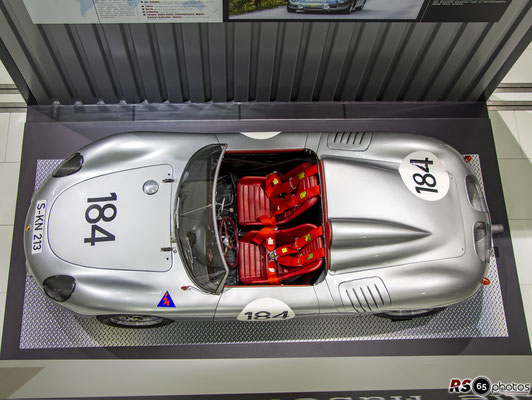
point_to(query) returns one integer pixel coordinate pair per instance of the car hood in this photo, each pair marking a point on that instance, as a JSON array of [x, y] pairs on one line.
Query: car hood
[[376, 221], [110, 222]]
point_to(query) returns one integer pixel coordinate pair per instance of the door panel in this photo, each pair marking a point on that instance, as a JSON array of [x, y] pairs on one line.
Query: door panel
[[266, 302]]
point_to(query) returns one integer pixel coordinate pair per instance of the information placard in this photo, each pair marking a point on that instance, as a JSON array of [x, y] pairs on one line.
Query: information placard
[[123, 11], [464, 10]]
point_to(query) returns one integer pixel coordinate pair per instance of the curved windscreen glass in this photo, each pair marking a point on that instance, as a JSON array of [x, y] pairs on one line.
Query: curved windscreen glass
[[196, 230]]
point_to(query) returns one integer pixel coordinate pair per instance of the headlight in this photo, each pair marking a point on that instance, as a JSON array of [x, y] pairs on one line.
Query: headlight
[[59, 287], [70, 166], [482, 237], [474, 192]]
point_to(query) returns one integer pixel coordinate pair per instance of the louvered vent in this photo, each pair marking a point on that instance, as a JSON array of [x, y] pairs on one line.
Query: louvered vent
[[364, 295], [354, 141]]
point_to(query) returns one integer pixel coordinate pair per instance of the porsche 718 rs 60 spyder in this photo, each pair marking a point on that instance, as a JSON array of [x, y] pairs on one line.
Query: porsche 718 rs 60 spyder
[[143, 228]]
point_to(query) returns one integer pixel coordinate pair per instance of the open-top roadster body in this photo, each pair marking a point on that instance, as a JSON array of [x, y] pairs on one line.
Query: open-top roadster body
[[144, 228]]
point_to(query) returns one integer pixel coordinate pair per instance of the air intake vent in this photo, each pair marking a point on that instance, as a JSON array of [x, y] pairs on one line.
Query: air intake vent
[[353, 141], [474, 192], [364, 295], [482, 236]]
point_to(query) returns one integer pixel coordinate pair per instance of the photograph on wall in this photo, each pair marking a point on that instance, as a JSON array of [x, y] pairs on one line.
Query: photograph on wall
[[324, 9]]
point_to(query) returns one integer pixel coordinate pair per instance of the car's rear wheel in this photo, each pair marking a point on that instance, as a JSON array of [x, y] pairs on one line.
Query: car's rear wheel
[[290, 10], [133, 321], [403, 315]]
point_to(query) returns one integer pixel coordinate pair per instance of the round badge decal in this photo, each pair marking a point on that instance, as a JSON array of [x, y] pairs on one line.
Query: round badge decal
[[424, 175], [481, 386], [266, 309]]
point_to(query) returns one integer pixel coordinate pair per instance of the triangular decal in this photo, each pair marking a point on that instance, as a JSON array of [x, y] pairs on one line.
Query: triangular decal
[[166, 301]]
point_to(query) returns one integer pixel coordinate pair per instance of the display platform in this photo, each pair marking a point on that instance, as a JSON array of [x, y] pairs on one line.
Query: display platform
[[492, 322]]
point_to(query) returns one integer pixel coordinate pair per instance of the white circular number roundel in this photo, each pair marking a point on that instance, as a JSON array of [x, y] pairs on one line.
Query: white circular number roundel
[[424, 175], [266, 309]]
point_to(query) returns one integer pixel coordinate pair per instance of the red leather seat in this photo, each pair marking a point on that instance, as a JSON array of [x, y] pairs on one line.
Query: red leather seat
[[253, 203], [253, 262]]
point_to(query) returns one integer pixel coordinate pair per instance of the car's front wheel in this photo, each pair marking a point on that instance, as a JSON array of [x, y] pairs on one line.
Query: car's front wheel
[[351, 7], [360, 7], [290, 10], [133, 321], [403, 315]]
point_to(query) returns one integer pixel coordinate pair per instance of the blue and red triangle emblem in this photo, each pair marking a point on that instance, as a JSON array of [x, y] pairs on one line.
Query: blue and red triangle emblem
[[166, 301]]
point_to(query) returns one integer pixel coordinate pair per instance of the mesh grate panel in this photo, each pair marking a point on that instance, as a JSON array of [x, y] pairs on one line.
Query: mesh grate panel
[[45, 325]]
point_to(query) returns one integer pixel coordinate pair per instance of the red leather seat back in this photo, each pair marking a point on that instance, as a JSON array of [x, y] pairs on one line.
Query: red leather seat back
[[289, 215], [251, 200], [253, 257], [253, 203]]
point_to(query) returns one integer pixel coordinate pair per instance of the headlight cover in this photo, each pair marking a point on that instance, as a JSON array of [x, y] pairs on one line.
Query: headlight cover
[[475, 195], [482, 237], [59, 287], [70, 166]]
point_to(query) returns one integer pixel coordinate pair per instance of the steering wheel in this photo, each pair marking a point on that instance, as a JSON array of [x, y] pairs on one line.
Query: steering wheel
[[229, 239]]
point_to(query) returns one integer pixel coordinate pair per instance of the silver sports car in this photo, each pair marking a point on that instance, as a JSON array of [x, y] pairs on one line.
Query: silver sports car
[[143, 228], [344, 6]]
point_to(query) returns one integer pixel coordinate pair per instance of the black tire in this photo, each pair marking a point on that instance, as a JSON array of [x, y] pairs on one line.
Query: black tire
[[407, 315], [351, 7], [133, 321], [359, 8], [290, 10]]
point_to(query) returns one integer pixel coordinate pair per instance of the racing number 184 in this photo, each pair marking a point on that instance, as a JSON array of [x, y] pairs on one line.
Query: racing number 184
[[106, 213], [427, 181], [261, 315]]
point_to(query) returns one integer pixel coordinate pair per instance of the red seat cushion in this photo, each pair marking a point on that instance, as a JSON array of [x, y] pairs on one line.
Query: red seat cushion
[[253, 258], [252, 263], [253, 203]]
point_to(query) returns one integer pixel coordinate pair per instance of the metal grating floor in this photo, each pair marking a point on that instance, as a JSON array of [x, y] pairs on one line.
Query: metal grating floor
[[45, 325]]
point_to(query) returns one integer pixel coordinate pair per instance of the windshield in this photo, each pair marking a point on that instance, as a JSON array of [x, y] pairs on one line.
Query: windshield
[[195, 219]]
